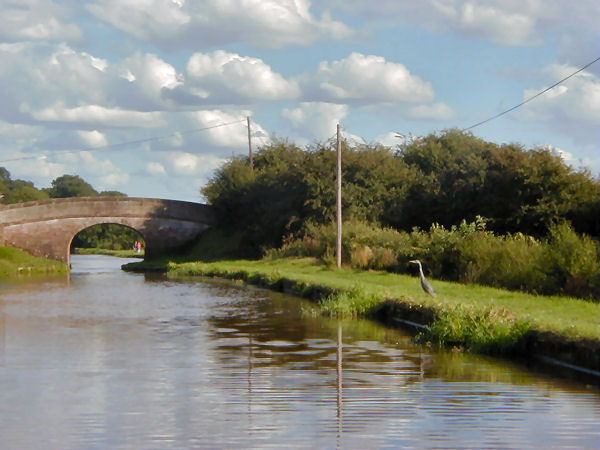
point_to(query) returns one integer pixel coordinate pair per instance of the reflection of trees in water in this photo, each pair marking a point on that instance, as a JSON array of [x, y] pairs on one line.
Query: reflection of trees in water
[[278, 331]]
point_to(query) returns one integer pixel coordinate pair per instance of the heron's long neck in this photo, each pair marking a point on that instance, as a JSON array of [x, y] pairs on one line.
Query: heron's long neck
[[421, 271]]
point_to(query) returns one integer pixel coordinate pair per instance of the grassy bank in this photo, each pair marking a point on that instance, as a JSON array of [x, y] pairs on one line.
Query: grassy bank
[[477, 318], [15, 262], [104, 251]]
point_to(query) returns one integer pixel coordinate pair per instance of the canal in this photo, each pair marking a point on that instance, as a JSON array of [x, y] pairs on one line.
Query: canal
[[108, 359]]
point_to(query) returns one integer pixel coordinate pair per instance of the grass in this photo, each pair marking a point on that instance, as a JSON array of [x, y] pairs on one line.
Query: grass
[[104, 251], [478, 318], [15, 262]]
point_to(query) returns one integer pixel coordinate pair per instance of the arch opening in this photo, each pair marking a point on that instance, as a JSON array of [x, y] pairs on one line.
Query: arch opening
[[107, 238]]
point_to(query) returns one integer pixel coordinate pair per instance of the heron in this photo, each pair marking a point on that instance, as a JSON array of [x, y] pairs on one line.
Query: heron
[[424, 283]]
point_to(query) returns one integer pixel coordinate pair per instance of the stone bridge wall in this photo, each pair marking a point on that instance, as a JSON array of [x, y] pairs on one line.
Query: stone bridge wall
[[47, 228]]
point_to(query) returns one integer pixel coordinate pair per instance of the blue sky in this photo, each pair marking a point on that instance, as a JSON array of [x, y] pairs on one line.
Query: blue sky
[[78, 79]]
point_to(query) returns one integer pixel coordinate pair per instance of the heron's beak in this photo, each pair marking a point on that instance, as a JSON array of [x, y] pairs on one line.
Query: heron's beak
[[414, 262]]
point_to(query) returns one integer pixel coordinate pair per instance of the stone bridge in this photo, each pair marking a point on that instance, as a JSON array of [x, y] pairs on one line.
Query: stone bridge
[[46, 228]]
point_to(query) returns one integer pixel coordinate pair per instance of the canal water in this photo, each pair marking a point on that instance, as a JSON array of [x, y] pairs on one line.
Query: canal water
[[108, 359]]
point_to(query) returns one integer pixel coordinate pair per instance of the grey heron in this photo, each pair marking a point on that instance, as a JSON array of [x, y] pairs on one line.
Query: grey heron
[[424, 283]]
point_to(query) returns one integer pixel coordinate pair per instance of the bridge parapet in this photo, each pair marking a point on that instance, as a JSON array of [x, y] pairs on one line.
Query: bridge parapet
[[46, 228]]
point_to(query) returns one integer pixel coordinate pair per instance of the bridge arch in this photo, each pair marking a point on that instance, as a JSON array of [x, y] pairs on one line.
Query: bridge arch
[[46, 228], [136, 235]]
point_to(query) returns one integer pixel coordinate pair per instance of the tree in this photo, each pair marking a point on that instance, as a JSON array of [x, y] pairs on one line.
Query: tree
[[70, 186], [460, 177], [17, 191], [528, 191], [290, 186], [112, 194], [450, 170]]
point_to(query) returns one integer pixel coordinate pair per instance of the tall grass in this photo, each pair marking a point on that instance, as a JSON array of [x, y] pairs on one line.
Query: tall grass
[[354, 302], [492, 331], [562, 263]]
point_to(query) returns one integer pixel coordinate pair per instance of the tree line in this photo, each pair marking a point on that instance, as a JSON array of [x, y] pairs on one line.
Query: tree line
[[18, 191], [443, 178], [109, 236]]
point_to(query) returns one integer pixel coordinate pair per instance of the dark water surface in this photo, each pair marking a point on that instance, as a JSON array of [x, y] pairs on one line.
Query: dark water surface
[[107, 359]]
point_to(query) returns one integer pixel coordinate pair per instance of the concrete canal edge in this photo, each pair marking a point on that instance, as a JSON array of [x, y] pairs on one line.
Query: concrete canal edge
[[581, 355]]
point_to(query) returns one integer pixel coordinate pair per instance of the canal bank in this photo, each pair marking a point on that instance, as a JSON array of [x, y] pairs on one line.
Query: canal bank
[[480, 319], [15, 262]]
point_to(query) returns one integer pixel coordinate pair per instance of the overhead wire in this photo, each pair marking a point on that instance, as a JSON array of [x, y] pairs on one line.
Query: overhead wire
[[127, 143], [532, 97]]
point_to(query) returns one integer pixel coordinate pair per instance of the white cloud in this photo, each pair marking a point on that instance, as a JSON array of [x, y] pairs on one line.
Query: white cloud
[[155, 168], [16, 133], [140, 81], [435, 111], [316, 120], [144, 19], [574, 25], [572, 107], [389, 139], [101, 173], [566, 156], [35, 20], [190, 164], [112, 180], [96, 115], [93, 138], [369, 78], [501, 24], [40, 75], [233, 135], [264, 23], [230, 76], [38, 169]]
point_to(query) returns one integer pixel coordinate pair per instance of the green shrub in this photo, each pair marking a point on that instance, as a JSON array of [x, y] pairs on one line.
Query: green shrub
[[491, 331], [509, 262], [350, 303], [571, 263]]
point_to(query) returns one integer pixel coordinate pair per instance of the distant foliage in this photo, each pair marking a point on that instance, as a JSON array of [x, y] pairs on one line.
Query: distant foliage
[[107, 236], [70, 186], [18, 191]]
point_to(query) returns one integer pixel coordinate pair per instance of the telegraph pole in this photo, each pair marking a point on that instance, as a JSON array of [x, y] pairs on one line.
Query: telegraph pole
[[339, 200], [250, 145]]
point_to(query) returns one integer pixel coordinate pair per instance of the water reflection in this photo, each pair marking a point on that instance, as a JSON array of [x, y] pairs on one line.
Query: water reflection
[[109, 359]]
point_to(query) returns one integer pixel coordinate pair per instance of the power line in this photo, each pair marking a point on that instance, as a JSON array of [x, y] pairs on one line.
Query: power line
[[124, 144], [531, 98]]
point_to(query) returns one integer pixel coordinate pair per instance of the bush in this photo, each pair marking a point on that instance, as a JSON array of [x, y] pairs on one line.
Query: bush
[[491, 331], [571, 263], [509, 262]]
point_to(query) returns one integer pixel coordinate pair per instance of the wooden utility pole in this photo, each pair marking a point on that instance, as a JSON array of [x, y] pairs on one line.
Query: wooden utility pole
[[339, 199], [250, 145]]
